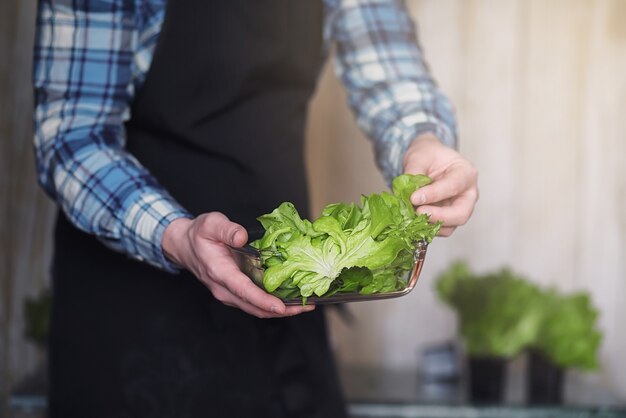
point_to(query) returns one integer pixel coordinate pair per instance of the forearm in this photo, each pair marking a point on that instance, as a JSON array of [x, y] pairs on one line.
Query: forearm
[[389, 86], [105, 192], [80, 104]]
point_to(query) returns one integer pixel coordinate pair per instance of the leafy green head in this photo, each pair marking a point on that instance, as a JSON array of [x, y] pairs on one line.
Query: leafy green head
[[448, 281], [499, 313], [37, 317], [568, 334], [349, 248]]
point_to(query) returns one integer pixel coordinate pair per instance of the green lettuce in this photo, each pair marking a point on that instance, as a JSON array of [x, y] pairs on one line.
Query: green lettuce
[[366, 248], [568, 334], [499, 313]]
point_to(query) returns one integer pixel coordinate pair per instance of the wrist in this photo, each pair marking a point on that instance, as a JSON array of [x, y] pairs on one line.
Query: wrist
[[422, 142], [425, 138], [175, 239]]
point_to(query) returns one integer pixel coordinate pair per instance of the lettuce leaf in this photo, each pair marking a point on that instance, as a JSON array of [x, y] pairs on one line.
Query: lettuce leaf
[[569, 334], [349, 248], [499, 313]]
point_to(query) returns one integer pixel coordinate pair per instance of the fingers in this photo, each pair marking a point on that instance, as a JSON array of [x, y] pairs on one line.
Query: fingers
[[446, 231], [452, 214], [233, 301], [254, 305], [217, 227], [205, 254], [240, 286], [450, 198], [231, 287], [289, 311], [454, 181]]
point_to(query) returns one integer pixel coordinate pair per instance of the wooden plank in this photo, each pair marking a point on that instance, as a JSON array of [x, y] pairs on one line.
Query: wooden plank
[[548, 153], [25, 212], [467, 59], [601, 239], [540, 96], [7, 19]]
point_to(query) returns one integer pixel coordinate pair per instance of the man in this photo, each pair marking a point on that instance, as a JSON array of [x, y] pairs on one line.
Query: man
[[166, 151]]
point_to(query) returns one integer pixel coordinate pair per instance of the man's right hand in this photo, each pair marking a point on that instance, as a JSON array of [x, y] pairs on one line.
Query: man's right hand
[[200, 246]]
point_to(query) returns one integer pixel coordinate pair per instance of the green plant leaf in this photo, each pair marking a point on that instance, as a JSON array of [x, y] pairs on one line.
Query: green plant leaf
[[568, 334], [348, 248], [403, 187], [499, 313]]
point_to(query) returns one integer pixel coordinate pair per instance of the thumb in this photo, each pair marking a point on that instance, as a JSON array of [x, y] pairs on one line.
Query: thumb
[[217, 227]]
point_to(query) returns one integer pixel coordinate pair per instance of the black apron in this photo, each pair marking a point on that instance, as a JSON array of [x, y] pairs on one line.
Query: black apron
[[219, 122]]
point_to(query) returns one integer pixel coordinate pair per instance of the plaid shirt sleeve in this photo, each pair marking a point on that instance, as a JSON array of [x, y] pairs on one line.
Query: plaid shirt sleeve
[[88, 55], [389, 86]]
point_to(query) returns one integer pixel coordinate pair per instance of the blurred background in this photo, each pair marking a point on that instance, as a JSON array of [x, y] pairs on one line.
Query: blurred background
[[540, 93]]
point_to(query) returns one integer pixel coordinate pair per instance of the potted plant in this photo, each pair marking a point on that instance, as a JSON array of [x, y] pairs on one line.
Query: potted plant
[[567, 338], [499, 316], [36, 327], [37, 318]]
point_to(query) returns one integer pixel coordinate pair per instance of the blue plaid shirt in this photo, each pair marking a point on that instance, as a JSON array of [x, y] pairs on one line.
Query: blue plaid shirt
[[91, 56]]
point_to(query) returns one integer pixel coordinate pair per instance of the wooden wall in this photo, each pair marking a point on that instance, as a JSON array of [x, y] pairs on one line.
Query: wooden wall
[[540, 92], [25, 213]]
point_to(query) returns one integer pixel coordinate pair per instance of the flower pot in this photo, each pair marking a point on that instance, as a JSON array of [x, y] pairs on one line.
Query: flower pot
[[487, 379], [544, 380]]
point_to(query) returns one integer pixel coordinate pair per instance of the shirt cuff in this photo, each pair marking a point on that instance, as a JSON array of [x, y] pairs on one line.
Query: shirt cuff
[[400, 137], [144, 225], [159, 259]]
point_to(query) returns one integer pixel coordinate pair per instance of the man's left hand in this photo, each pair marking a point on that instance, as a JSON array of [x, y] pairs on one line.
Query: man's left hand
[[452, 195]]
